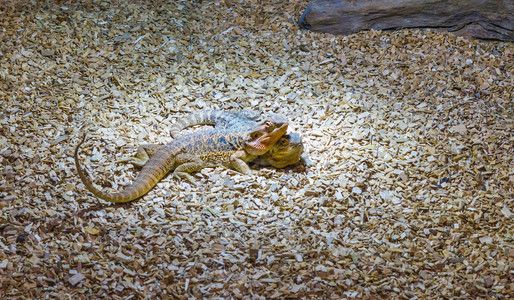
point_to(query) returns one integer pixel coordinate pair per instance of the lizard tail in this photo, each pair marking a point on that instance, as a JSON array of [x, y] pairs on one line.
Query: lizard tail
[[209, 117], [136, 190]]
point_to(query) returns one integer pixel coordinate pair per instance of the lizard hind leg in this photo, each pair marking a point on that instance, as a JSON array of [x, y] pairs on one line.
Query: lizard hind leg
[[144, 152], [186, 164]]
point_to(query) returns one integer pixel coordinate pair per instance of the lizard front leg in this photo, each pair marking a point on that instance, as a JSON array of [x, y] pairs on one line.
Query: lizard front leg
[[144, 152], [238, 162]]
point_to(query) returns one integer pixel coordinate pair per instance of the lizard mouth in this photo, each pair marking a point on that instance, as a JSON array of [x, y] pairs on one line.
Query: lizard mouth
[[264, 143]]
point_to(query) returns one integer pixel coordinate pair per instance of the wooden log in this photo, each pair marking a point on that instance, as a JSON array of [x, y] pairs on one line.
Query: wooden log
[[482, 19]]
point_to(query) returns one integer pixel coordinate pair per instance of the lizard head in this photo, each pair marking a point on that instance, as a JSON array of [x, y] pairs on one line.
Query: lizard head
[[264, 137], [284, 153]]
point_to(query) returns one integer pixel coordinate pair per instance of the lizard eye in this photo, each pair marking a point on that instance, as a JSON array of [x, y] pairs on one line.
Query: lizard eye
[[283, 142], [255, 134], [268, 123]]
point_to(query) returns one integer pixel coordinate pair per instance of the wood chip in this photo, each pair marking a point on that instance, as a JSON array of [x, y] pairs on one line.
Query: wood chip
[[76, 279], [409, 193]]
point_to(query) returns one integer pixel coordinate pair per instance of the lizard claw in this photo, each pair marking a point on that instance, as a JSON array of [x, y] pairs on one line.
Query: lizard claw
[[185, 175], [132, 160]]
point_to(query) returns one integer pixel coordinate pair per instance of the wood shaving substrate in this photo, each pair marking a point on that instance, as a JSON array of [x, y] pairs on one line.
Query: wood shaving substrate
[[411, 135]]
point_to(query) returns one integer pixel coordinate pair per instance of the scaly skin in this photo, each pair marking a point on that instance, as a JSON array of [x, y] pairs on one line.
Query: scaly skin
[[287, 151], [240, 120], [189, 153]]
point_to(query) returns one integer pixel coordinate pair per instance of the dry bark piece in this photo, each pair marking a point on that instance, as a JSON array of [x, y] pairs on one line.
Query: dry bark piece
[[492, 20]]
